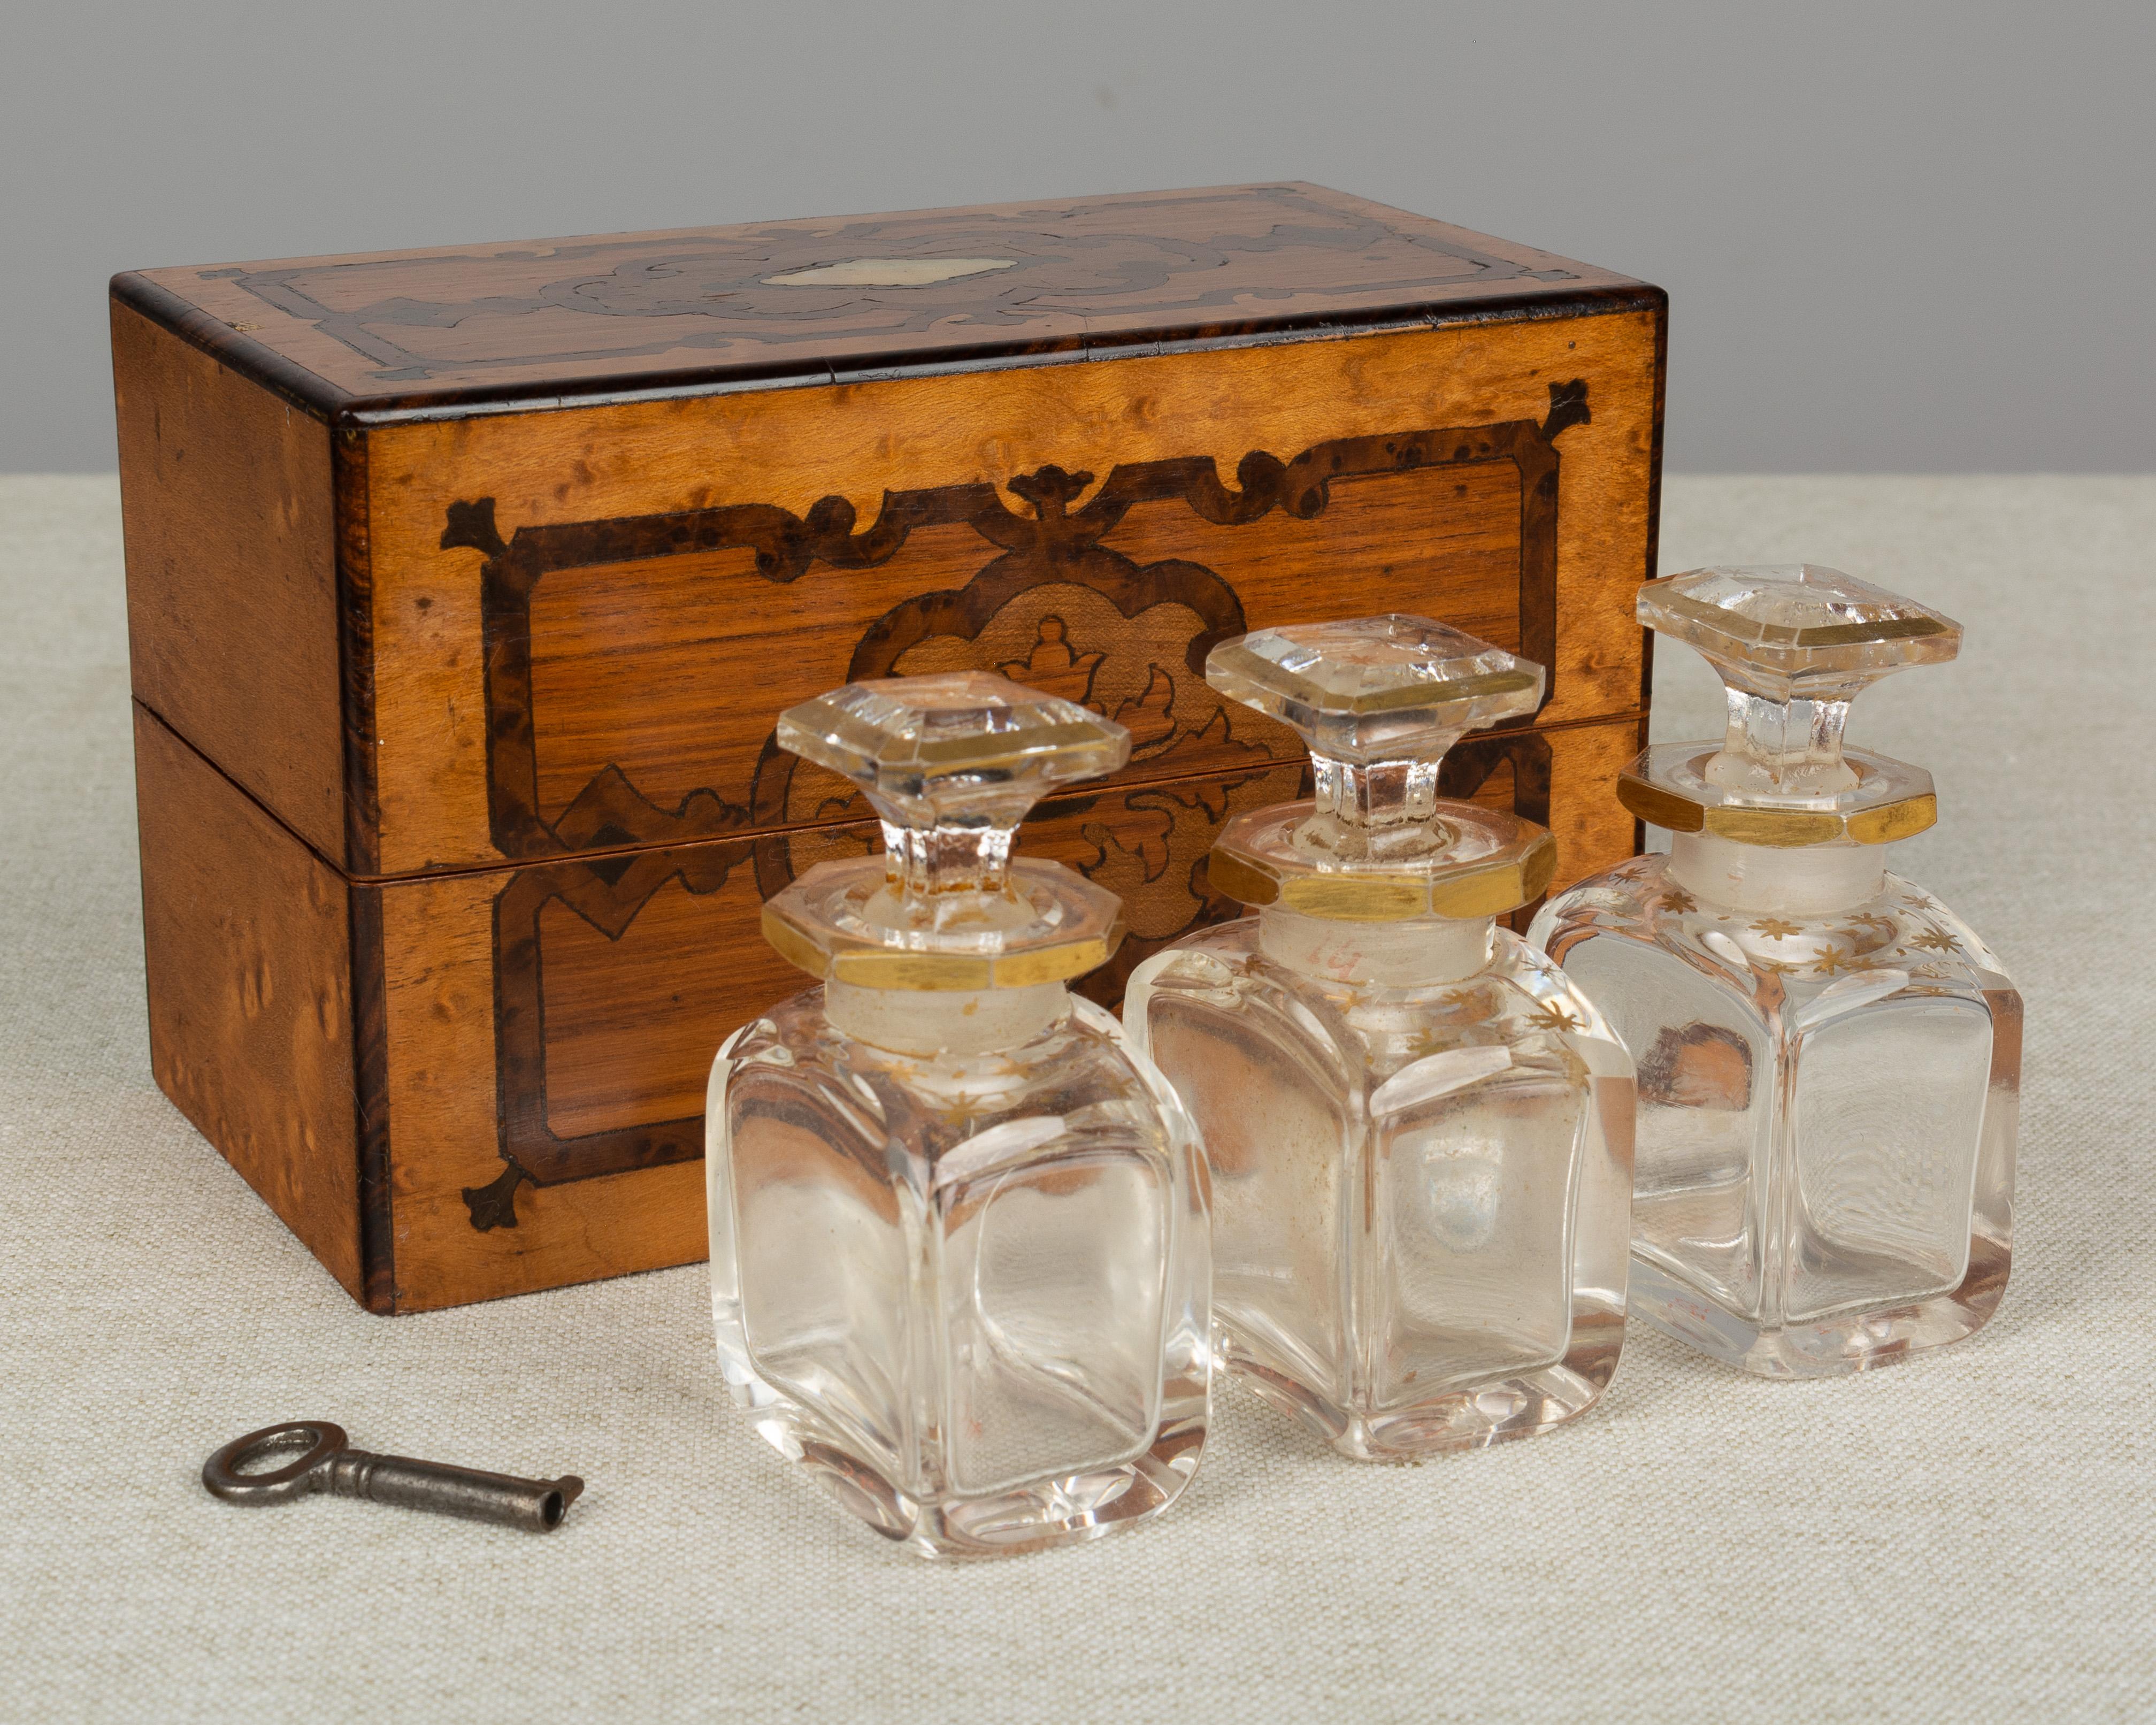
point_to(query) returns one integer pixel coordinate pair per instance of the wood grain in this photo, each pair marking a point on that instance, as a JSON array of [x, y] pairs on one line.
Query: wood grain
[[246, 940], [713, 304], [438, 958], [232, 619], [252, 1029], [669, 670], [466, 1058], [790, 448], [673, 668], [642, 978], [1442, 536], [632, 1021]]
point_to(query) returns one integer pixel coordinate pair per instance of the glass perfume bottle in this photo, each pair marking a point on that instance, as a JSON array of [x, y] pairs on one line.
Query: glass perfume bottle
[[1419, 1130], [959, 1250], [1829, 1058]]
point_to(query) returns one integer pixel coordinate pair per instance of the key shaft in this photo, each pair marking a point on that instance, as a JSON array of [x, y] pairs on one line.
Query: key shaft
[[328, 1463], [538, 1505]]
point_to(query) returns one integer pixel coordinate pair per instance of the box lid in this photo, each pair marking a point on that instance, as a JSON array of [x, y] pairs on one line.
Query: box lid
[[450, 331]]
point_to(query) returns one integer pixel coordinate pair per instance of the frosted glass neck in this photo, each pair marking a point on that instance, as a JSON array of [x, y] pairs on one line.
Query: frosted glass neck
[[1414, 953], [1803, 880], [924, 1023]]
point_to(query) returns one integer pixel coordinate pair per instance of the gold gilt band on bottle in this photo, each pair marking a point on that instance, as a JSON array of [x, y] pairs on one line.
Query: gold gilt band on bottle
[[1778, 829], [867, 966], [1362, 896]]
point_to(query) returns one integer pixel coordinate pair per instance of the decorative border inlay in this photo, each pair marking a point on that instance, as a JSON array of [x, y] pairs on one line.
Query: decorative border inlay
[[610, 812], [704, 838], [619, 300]]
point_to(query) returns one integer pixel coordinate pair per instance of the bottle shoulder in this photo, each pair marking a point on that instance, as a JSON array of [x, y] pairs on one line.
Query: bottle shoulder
[[1902, 941], [1518, 996], [1080, 1076], [1220, 942]]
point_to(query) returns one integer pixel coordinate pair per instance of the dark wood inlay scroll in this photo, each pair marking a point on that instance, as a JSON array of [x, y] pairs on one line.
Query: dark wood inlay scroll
[[1198, 265], [1053, 544], [1147, 841]]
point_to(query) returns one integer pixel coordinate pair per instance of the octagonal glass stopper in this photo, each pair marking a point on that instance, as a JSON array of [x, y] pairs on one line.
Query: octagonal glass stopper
[[951, 764], [1379, 701], [1794, 643]]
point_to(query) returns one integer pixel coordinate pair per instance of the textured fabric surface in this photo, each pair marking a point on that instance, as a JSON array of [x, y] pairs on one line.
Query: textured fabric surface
[[1965, 1535]]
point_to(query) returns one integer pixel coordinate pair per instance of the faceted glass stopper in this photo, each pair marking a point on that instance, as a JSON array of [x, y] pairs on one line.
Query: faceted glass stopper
[[951, 764], [1379, 699], [1372, 688], [1794, 643], [957, 746], [1795, 628]]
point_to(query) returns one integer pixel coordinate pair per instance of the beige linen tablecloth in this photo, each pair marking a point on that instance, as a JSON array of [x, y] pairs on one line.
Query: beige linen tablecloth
[[1967, 1536]]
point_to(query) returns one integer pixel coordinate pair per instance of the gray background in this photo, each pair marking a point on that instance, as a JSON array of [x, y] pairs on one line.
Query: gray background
[[1911, 238]]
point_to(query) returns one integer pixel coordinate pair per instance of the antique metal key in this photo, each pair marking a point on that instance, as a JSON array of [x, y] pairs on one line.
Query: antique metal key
[[329, 1464]]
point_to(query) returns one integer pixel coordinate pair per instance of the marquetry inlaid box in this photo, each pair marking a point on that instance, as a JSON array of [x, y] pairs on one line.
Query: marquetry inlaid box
[[465, 585]]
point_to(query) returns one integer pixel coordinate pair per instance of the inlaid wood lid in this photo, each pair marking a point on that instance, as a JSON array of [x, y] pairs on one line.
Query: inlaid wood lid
[[454, 329]]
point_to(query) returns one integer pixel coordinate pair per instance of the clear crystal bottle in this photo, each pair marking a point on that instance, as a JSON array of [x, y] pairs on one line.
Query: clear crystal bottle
[[959, 1249], [1829, 1058], [1419, 1130]]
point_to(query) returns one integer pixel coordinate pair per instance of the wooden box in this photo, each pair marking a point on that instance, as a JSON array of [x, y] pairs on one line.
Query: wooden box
[[464, 586]]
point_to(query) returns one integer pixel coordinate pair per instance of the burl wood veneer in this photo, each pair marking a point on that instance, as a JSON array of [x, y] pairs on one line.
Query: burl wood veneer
[[465, 586]]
